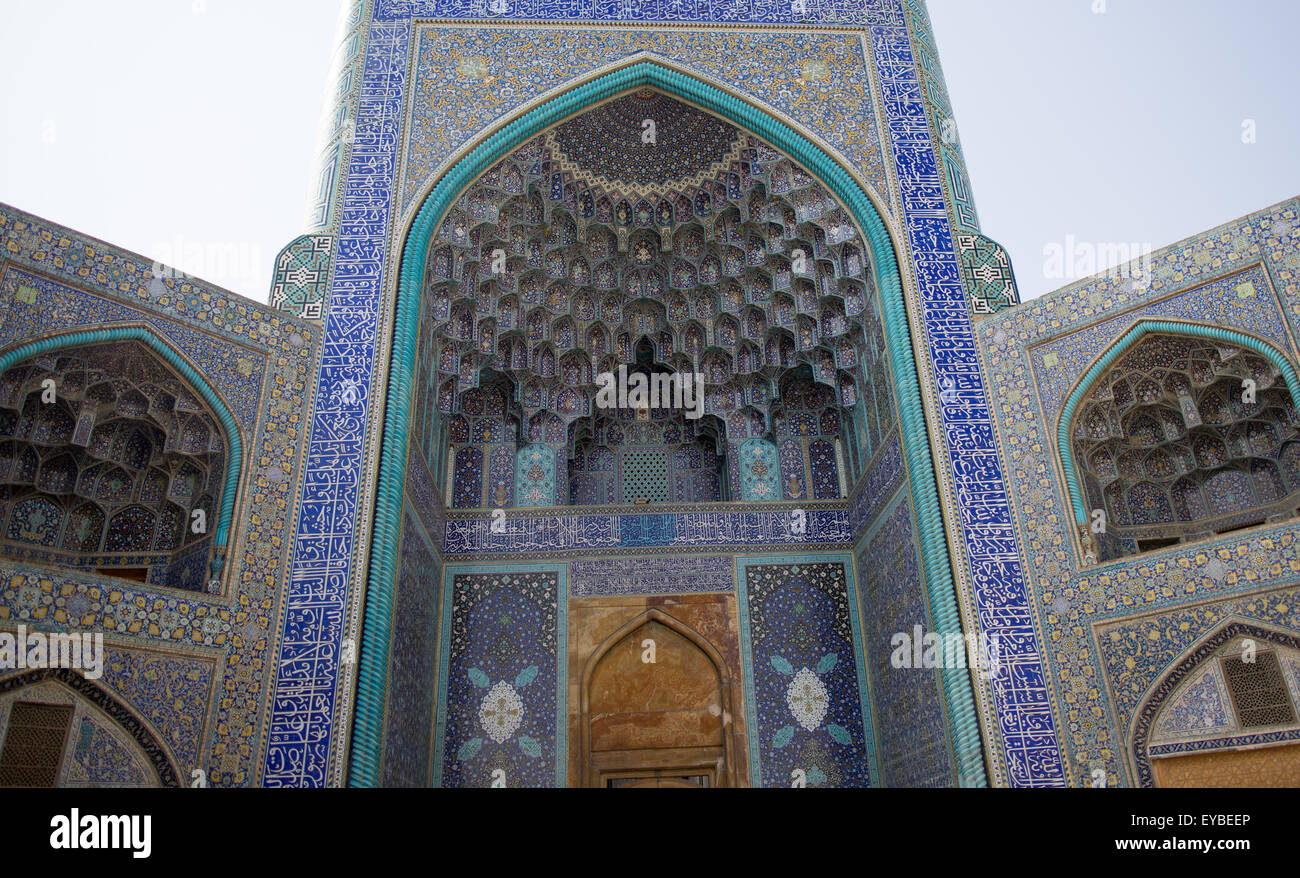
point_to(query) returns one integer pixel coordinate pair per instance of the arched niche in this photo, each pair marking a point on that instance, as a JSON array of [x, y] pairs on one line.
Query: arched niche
[[1179, 432], [1228, 708], [116, 457], [59, 729], [656, 706], [797, 330], [650, 455]]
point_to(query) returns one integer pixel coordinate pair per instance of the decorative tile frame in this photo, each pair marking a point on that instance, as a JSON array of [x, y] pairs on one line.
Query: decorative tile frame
[[1029, 753], [636, 73], [312, 696]]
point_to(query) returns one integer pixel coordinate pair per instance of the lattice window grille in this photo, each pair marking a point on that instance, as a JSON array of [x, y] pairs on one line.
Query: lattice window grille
[[645, 475], [33, 747], [1259, 692]]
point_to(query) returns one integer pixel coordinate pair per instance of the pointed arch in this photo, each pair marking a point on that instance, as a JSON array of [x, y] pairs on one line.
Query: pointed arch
[[1168, 683], [688, 633], [160, 757], [176, 360], [1140, 330], [635, 72]]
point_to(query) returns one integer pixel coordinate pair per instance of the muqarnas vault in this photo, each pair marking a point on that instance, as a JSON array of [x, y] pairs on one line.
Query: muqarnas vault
[[380, 531]]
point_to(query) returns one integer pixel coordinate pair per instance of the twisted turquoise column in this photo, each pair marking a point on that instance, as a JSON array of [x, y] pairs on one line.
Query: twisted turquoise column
[[367, 740]]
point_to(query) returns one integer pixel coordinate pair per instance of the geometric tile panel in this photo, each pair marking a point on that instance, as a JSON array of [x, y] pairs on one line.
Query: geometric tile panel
[[501, 699], [301, 281], [535, 472], [1200, 708], [760, 471], [805, 683], [986, 268]]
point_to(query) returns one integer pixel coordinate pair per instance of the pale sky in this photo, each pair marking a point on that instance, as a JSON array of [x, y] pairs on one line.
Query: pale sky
[[185, 130], [1121, 127]]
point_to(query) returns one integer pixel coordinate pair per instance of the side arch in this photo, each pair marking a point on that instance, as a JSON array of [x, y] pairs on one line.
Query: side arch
[[1139, 330], [699, 641], [638, 72], [150, 339], [1144, 718], [160, 758]]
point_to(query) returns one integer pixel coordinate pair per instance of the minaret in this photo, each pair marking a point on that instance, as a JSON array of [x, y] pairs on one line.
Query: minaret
[[300, 284]]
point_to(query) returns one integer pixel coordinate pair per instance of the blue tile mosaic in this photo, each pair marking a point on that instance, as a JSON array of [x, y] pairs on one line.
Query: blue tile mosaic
[[912, 745], [502, 694], [652, 576], [805, 682], [560, 533], [1030, 750]]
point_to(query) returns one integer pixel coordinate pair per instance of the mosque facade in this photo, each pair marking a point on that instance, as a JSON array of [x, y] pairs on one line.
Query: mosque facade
[[644, 405]]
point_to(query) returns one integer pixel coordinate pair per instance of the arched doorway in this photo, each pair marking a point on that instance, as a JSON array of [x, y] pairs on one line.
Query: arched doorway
[[59, 729], [656, 709]]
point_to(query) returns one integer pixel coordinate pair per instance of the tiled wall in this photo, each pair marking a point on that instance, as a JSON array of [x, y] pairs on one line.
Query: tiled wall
[[913, 745], [789, 634], [1113, 630], [166, 642]]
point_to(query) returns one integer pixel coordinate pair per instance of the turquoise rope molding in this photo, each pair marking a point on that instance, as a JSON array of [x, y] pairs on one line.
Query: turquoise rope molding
[[376, 634], [234, 446], [1141, 329]]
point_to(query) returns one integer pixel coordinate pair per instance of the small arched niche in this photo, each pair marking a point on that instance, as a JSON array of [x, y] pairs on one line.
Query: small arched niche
[[656, 709], [1181, 438], [60, 731], [112, 462], [1225, 715]]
